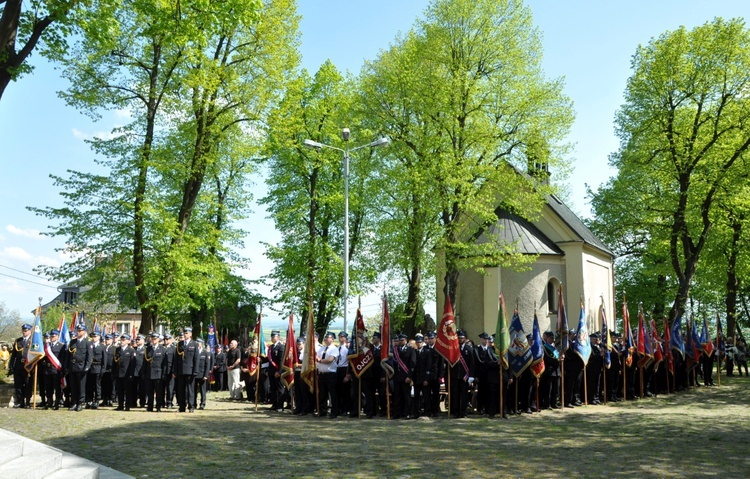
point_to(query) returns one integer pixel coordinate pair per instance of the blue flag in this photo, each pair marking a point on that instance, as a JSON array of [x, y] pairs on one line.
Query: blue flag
[[36, 347], [537, 350], [606, 340], [582, 345], [519, 352], [211, 340], [64, 333], [675, 340]]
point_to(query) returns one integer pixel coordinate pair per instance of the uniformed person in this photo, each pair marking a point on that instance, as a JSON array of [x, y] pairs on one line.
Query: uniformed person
[[94, 380], [108, 374], [124, 355], [21, 381], [137, 391], [156, 370], [327, 355], [186, 367], [275, 359], [219, 368], [169, 378], [481, 366], [80, 357], [462, 377], [422, 372], [52, 369], [403, 375], [205, 364], [343, 383], [437, 373]]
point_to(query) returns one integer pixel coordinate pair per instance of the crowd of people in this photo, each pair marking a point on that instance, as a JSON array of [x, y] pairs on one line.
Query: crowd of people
[[158, 373]]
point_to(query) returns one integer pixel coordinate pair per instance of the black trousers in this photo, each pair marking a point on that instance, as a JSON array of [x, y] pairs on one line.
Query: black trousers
[[459, 397], [154, 387], [434, 403], [78, 386], [52, 384], [94, 387], [201, 388], [108, 393], [186, 391], [122, 387], [421, 399], [327, 385], [21, 382], [343, 391], [169, 391], [134, 391]]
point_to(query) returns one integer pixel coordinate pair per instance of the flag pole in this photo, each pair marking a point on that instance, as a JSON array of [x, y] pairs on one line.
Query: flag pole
[[33, 396], [502, 390], [604, 378], [585, 388], [515, 406], [538, 407], [387, 396], [257, 386]]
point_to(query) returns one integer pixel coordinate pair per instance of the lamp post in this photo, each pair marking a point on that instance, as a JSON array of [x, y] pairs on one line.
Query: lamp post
[[346, 150]]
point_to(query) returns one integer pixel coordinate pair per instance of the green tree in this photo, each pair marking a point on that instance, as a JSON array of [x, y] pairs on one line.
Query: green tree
[[305, 196], [199, 79], [23, 25], [465, 100], [683, 132]]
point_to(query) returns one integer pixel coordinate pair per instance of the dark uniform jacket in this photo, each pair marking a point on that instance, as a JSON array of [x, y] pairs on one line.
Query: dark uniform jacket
[[205, 364], [18, 354], [80, 355], [136, 365], [186, 359], [458, 371], [109, 357], [123, 357], [169, 352], [276, 358], [156, 362], [59, 350], [437, 366], [220, 362], [423, 368], [409, 359], [97, 358]]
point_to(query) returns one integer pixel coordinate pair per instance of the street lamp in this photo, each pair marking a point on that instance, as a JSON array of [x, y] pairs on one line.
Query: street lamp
[[346, 150]]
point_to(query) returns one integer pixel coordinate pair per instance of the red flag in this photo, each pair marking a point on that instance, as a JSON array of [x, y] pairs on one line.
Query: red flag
[[657, 349], [644, 351], [668, 349], [290, 356], [628, 334], [385, 339], [360, 356], [447, 340], [257, 351], [310, 354]]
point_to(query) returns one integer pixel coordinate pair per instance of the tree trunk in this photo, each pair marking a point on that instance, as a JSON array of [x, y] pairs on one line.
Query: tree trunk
[[733, 281]]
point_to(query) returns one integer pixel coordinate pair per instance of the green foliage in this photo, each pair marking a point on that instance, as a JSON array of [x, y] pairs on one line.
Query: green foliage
[[684, 137], [465, 100], [198, 80]]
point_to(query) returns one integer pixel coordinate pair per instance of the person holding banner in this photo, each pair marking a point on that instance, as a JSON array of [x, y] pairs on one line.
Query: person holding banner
[[462, 377], [21, 382], [52, 370], [405, 362]]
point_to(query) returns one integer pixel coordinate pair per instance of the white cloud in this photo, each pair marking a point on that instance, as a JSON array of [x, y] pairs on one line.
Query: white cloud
[[27, 233], [124, 113], [15, 253], [101, 135]]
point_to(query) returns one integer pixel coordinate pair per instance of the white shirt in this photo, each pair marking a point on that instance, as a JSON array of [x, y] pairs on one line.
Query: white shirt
[[324, 353], [342, 352]]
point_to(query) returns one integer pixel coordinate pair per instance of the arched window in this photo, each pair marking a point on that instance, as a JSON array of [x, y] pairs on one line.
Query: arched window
[[552, 286]]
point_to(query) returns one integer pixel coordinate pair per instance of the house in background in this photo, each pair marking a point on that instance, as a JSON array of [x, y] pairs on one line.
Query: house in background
[[568, 254], [121, 318]]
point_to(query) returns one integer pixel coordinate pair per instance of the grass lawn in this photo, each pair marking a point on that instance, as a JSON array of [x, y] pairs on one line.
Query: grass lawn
[[704, 432]]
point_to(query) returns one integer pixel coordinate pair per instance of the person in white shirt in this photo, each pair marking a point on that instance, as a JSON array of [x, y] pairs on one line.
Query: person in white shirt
[[327, 364]]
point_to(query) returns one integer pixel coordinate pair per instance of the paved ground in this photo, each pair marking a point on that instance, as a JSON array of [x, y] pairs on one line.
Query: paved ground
[[704, 432]]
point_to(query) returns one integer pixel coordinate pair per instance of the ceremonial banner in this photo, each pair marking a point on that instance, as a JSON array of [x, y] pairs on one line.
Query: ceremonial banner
[[447, 338], [385, 339], [644, 349], [656, 350], [696, 340], [290, 356], [606, 339], [537, 350], [64, 331], [36, 346], [502, 337], [667, 347], [582, 345], [309, 354], [562, 321], [628, 334], [519, 352], [258, 350], [211, 340], [675, 340], [360, 356], [705, 339]]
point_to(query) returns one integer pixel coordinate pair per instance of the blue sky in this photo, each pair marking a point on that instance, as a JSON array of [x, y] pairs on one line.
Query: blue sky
[[589, 43]]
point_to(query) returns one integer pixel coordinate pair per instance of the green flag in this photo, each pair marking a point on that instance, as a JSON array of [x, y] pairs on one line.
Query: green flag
[[502, 336]]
